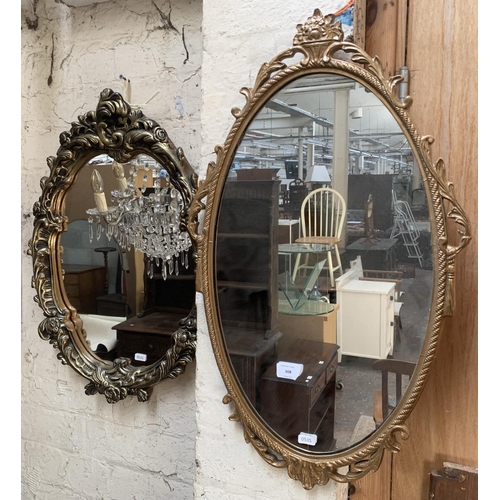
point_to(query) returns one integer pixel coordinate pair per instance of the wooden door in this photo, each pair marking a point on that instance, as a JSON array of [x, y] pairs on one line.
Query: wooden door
[[441, 54]]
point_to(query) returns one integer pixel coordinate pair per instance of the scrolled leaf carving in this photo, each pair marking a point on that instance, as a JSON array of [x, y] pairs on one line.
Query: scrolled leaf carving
[[320, 41], [449, 208], [116, 129]]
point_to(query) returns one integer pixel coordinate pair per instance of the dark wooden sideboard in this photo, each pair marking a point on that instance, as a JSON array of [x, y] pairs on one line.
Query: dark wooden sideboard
[[306, 404], [83, 283], [146, 337]]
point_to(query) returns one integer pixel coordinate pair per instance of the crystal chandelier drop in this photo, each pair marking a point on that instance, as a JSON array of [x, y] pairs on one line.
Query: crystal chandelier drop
[[145, 218]]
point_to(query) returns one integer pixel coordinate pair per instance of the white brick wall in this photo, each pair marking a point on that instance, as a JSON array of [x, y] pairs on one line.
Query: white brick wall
[[77, 446], [80, 447]]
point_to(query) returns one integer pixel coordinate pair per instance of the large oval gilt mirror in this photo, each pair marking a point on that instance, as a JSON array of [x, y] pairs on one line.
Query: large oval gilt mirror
[[330, 270], [114, 264]]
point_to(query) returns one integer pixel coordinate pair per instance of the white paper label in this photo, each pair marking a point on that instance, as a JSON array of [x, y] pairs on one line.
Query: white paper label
[[289, 370], [140, 357], [310, 439]]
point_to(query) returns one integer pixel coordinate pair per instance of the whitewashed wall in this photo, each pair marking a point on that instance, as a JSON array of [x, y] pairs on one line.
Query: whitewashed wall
[[181, 444], [76, 446]]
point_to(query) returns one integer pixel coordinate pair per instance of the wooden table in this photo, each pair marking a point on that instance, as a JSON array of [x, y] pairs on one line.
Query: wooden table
[[306, 404], [317, 327], [375, 254]]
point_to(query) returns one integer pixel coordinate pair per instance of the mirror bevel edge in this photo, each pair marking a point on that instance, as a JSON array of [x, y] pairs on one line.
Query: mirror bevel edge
[[320, 56], [116, 129]]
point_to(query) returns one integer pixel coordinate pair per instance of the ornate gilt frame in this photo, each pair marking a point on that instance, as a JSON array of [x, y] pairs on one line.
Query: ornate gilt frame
[[321, 43], [121, 132]]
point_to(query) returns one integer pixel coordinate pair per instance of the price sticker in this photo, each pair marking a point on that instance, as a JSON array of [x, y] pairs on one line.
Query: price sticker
[[309, 439], [140, 357], [289, 370]]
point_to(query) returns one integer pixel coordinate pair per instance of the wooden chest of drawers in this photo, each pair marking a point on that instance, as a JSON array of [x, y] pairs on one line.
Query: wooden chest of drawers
[[83, 284], [146, 339], [307, 404], [251, 354]]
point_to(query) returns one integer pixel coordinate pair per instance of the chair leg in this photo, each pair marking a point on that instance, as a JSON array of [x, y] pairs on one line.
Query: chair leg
[[330, 265], [397, 327], [333, 269], [339, 262]]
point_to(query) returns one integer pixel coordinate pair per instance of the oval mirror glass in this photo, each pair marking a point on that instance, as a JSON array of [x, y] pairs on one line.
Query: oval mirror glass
[[327, 268], [130, 304], [324, 262]]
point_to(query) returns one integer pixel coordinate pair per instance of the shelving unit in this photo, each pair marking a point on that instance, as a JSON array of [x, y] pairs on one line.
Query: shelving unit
[[247, 253], [247, 281], [175, 294]]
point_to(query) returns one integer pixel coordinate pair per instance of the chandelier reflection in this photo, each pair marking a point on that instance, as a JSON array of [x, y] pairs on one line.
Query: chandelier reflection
[[140, 216]]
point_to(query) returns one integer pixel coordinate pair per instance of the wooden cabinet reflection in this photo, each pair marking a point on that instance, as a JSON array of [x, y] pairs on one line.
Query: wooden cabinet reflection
[[319, 328], [257, 336], [83, 283], [247, 255], [247, 278], [251, 354], [146, 337], [307, 404]]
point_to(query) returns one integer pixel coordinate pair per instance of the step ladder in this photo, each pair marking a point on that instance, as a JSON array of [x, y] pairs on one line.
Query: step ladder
[[406, 227]]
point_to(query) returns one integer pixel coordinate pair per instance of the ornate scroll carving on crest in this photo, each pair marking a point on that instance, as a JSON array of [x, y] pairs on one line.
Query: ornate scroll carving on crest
[[116, 129], [320, 41]]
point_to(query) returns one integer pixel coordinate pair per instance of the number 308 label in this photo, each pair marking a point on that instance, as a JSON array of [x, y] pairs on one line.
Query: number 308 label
[[310, 439]]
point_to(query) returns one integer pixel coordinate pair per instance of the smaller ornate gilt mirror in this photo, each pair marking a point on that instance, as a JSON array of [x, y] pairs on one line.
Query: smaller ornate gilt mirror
[[113, 261], [326, 266]]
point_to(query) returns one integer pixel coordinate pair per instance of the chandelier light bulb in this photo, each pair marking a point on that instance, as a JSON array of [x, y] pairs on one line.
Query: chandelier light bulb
[[98, 188], [119, 173]]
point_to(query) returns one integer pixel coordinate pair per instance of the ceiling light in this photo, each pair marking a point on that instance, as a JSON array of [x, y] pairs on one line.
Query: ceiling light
[[356, 114]]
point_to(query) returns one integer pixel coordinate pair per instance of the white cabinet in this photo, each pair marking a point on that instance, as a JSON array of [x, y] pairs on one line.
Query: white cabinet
[[365, 319]]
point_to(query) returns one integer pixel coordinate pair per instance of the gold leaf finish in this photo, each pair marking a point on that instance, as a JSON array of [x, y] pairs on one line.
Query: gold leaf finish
[[122, 133], [321, 42]]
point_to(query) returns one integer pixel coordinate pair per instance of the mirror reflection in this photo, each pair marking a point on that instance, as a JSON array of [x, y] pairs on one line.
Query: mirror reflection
[[130, 303], [324, 262]]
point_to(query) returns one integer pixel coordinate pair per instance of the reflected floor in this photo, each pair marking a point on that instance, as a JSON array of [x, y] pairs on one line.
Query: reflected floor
[[354, 402]]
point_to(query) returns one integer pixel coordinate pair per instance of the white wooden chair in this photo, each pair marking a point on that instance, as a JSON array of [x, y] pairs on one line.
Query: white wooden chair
[[322, 217]]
